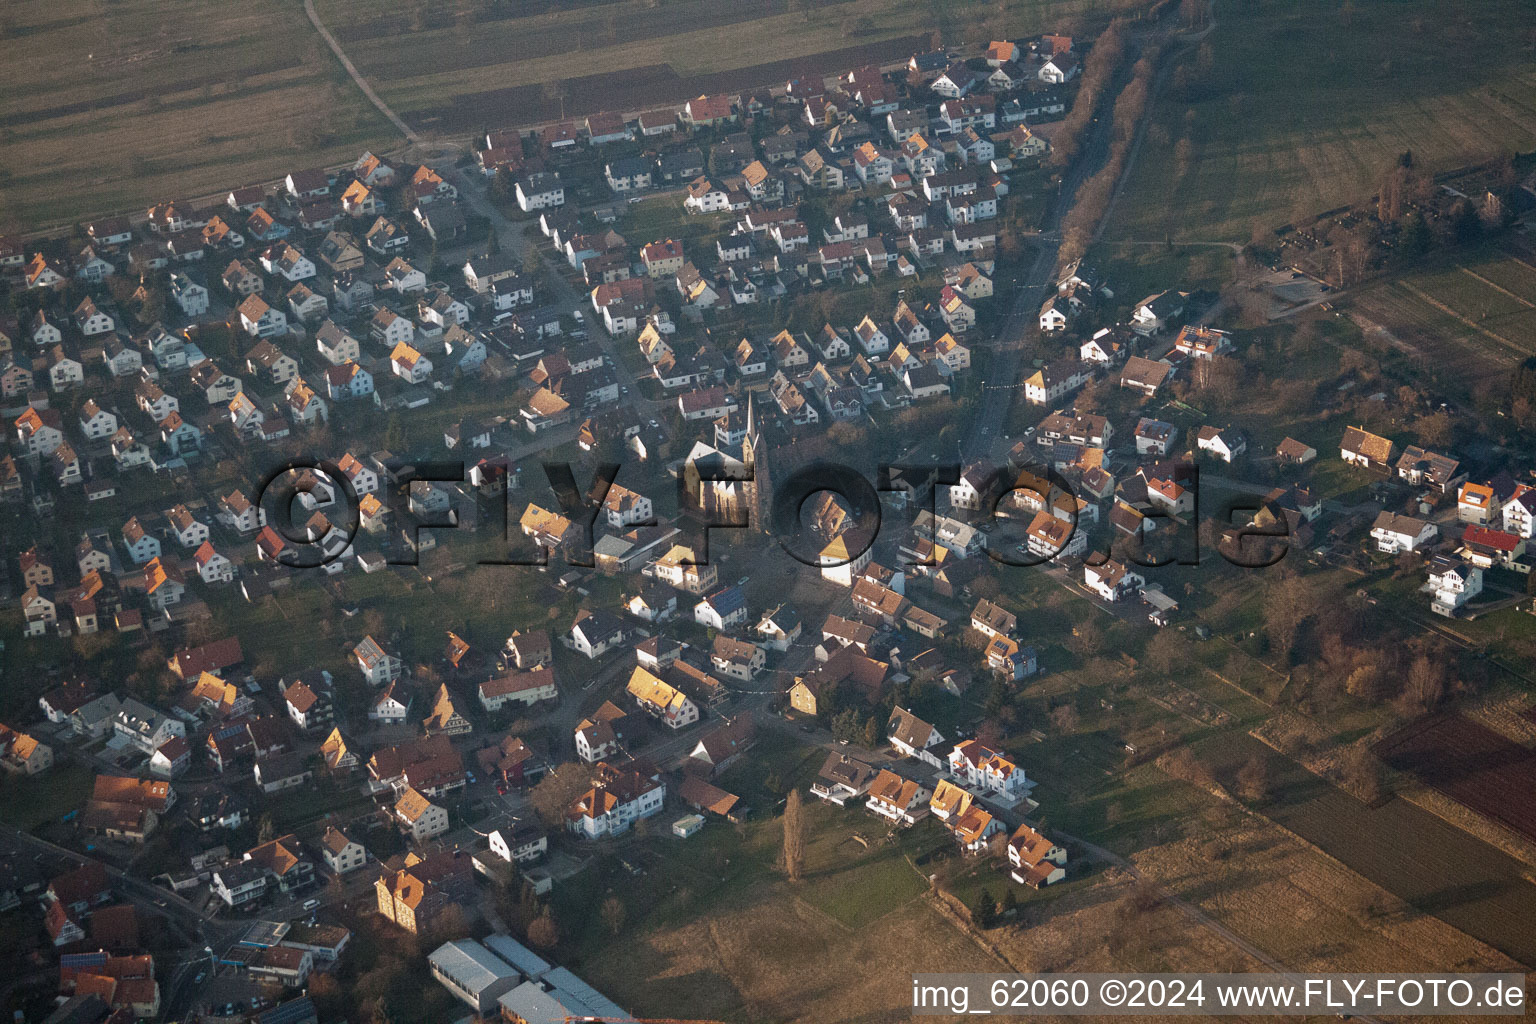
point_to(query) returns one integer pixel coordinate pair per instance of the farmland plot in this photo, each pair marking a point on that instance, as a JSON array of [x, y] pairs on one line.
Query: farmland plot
[[1472, 765], [1308, 102], [107, 106], [1406, 850]]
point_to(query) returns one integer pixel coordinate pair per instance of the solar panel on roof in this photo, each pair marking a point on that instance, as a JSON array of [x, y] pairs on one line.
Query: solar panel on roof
[[80, 961], [293, 1011]]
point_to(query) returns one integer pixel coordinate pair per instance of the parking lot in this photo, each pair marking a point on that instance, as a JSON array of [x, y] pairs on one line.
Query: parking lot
[[230, 992]]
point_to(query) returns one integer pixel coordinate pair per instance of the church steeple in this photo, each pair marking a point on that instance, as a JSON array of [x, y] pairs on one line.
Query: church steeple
[[754, 453]]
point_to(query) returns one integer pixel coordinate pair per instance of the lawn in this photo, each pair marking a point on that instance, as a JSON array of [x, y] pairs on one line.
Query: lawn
[[856, 886], [30, 802], [117, 105], [1307, 102]]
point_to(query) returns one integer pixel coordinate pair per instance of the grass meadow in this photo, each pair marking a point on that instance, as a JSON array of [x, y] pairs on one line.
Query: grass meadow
[[1307, 102]]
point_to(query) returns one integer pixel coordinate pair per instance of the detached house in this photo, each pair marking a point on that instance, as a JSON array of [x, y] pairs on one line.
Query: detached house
[[661, 701], [1430, 469], [1477, 504], [270, 364], [1112, 580], [1396, 534], [260, 320], [913, 737], [523, 688], [95, 422], [141, 545], [392, 706], [238, 513], [410, 365], [386, 237], [595, 632], [617, 799], [1520, 512], [1036, 861], [1362, 448], [1224, 443], [377, 666], [903, 801], [420, 817], [980, 767], [189, 295], [1453, 583], [391, 328], [347, 382], [540, 191]]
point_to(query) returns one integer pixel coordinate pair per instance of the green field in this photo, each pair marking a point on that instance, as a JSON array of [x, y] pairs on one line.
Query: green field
[[1307, 102], [114, 105]]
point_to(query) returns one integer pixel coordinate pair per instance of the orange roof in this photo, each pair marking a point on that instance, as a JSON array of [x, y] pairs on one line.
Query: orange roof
[[1480, 495]]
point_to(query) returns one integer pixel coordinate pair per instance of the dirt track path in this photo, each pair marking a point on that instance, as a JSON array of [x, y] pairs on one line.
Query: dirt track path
[[357, 76]]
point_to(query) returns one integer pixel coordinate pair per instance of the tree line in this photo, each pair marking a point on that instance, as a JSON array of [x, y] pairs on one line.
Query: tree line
[[1099, 69], [1081, 222]]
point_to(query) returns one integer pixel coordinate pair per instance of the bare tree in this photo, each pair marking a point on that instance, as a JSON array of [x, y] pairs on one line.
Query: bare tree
[[1182, 764], [1437, 429], [1253, 779], [555, 793], [1285, 608], [794, 836], [544, 932], [1365, 682], [1425, 687], [1361, 774], [1088, 637], [1165, 653], [614, 914]]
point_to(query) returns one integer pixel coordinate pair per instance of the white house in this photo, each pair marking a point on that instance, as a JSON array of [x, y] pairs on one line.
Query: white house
[[95, 422], [1224, 443], [1111, 580], [347, 382], [660, 700], [1396, 534], [391, 707], [1036, 861], [1452, 583], [341, 853], [540, 191], [261, 320], [525, 688], [981, 768], [722, 609], [377, 666], [336, 345], [618, 800], [189, 295], [1520, 512], [409, 364]]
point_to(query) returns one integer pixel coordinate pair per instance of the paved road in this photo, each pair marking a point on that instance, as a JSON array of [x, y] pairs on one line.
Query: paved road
[[510, 233], [1017, 331], [991, 413], [197, 929]]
